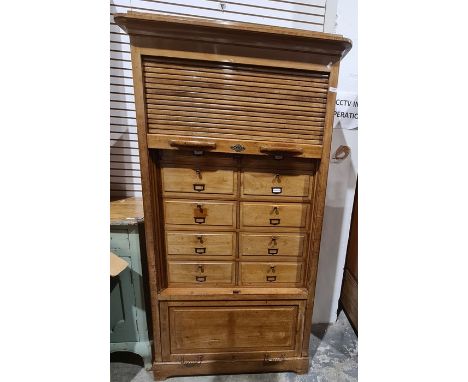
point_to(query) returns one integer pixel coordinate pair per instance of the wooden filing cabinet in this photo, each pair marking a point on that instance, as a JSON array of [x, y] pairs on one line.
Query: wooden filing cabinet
[[234, 126]]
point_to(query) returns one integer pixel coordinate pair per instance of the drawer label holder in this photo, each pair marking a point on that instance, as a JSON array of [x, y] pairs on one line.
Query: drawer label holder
[[198, 187]]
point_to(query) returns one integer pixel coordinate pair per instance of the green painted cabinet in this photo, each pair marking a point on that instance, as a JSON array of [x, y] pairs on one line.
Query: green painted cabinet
[[128, 321]]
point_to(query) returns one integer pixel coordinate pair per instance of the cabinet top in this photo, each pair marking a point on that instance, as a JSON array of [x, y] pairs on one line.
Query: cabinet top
[[126, 211], [135, 23]]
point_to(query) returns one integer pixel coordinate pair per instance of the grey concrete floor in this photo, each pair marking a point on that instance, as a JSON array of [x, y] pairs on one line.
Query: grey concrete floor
[[333, 352]]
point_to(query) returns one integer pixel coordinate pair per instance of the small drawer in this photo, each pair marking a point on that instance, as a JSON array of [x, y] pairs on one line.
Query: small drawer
[[279, 184], [200, 243], [293, 215], [201, 273], [268, 274], [252, 244], [198, 180], [200, 213]]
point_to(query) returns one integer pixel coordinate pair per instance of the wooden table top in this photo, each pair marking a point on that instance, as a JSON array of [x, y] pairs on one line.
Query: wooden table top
[[126, 210]]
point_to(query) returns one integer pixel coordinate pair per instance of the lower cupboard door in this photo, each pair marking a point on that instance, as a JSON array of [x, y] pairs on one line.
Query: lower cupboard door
[[194, 331]]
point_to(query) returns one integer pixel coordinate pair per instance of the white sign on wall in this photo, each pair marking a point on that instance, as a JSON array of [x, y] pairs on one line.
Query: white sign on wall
[[346, 110]]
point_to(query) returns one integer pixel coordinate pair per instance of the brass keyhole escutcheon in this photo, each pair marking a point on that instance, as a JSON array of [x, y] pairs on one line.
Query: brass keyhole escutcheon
[[273, 241], [277, 178], [198, 172], [276, 210], [272, 269], [201, 269], [200, 207], [200, 239]]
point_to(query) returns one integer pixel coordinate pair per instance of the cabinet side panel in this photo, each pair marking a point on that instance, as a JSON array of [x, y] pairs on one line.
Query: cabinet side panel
[[150, 209], [318, 208]]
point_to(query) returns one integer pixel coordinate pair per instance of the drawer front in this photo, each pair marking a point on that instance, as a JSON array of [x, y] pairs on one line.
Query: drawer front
[[258, 183], [268, 274], [241, 328], [200, 243], [292, 215], [201, 273], [200, 213], [198, 180], [252, 244]]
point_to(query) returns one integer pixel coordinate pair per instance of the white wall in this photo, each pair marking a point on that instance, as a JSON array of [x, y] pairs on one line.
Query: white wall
[[341, 182]]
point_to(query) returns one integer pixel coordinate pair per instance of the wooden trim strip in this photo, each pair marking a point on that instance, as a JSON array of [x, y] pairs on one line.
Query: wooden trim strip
[[234, 84], [161, 141], [215, 67], [235, 134], [225, 74], [155, 101], [235, 91], [234, 59], [257, 120], [214, 119], [239, 135], [226, 96], [250, 114]]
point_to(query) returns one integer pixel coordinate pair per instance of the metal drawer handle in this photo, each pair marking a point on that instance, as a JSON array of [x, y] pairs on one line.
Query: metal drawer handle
[[199, 187], [275, 221], [200, 250], [276, 190], [200, 279], [196, 363], [267, 359], [271, 278], [272, 251], [201, 220]]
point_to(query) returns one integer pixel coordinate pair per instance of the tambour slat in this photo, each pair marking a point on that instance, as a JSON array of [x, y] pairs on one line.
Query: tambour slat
[[233, 83], [249, 98], [154, 101], [236, 91], [282, 83], [230, 121], [233, 114], [222, 134], [234, 101], [221, 67], [230, 127]]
